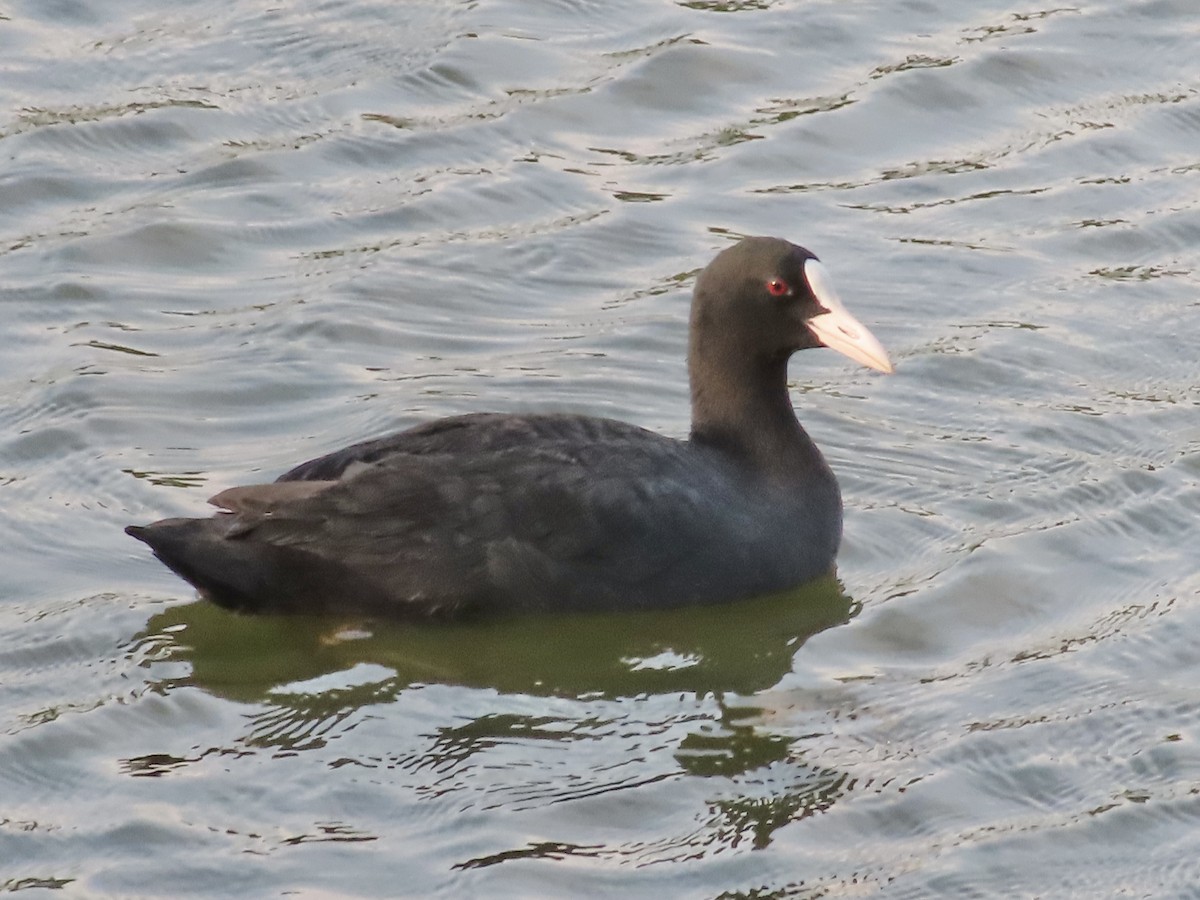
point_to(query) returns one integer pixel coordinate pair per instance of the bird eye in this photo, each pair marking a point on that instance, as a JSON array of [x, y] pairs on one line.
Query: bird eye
[[777, 288]]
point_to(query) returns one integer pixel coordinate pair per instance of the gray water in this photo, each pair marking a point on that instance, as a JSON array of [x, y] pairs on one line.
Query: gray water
[[237, 234]]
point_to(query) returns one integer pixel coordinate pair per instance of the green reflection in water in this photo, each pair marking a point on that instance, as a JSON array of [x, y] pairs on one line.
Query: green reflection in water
[[740, 648]]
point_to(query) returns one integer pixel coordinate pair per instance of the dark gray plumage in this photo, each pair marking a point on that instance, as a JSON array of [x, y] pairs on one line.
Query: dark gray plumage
[[507, 513]]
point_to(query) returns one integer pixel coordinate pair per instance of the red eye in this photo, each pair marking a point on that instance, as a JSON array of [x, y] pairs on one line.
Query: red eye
[[777, 288]]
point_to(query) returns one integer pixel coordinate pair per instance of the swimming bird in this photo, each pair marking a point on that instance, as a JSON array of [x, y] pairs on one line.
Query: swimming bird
[[505, 513]]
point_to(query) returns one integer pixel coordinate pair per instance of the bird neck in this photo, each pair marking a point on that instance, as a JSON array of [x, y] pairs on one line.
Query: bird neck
[[740, 405]]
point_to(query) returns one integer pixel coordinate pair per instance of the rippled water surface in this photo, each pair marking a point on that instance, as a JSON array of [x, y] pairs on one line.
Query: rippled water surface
[[236, 234]]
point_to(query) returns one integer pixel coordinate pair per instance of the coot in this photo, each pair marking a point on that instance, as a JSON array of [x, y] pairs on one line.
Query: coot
[[490, 513]]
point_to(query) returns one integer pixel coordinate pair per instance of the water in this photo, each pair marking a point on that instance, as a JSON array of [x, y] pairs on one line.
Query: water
[[236, 236]]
